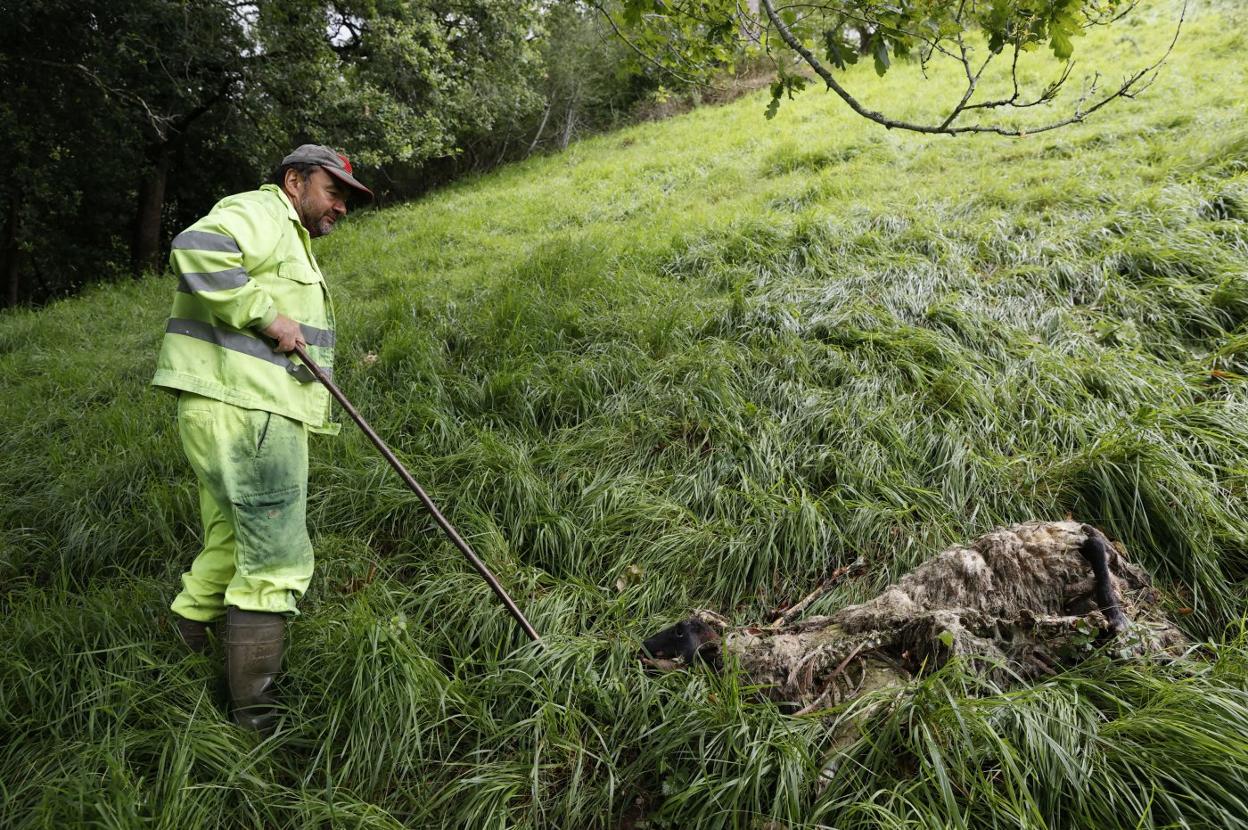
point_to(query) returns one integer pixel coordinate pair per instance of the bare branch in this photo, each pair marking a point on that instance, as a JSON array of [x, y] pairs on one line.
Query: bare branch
[[1010, 102], [164, 126], [640, 52], [751, 27], [160, 124], [1048, 94], [786, 616], [1130, 87], [846, 15], [1111, 16], [972, 81]]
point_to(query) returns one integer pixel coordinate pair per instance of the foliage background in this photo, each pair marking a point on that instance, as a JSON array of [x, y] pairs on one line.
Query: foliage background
[[695, 363], [204, 96]]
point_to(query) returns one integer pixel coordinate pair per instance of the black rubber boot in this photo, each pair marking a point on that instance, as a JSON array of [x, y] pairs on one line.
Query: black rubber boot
[[194, 633], [254, 642]]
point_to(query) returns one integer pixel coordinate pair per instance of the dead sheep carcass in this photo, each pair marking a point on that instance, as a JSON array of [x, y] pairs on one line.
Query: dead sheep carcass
[[1018, 603]]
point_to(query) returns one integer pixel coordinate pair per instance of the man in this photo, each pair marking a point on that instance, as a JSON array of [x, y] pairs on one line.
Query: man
[[249, 291]]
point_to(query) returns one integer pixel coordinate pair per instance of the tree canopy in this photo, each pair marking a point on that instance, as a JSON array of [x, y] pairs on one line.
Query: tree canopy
[[119, 112], [125, 119], [686, 37]]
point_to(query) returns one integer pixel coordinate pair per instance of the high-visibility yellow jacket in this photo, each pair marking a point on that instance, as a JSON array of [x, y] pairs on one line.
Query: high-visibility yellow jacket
[[238, 267]]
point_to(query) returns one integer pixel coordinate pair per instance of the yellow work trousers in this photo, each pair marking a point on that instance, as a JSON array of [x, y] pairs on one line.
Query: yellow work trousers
[[252, 468]]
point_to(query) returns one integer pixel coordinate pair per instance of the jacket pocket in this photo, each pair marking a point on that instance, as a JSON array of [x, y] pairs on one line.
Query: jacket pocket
[[298, 272]]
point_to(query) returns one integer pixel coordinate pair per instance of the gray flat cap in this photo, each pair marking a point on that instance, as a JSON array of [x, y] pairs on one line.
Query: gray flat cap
[[335, 164]]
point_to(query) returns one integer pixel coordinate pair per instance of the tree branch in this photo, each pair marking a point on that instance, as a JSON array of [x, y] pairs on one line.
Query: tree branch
[[1044, 97], [640, 52], [1131, 86], [159, 123], [162, 125]]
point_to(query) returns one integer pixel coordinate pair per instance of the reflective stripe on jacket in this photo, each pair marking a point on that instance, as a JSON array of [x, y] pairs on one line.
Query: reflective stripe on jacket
[[237, 267]]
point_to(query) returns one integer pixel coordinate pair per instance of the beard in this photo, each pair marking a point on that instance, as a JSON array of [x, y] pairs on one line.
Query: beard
[[324, 227], [316, 226]]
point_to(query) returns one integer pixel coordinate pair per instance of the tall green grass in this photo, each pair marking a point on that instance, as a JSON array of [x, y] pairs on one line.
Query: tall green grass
[[696, 363]]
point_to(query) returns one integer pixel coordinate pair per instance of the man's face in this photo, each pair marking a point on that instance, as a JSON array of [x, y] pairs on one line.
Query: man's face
[[320, 200]]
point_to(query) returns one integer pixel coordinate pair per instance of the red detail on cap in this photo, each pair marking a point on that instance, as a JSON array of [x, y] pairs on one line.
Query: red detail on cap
[[346, 164]]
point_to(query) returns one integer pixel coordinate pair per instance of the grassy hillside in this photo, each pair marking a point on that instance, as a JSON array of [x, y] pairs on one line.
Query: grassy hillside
[[692, 364]]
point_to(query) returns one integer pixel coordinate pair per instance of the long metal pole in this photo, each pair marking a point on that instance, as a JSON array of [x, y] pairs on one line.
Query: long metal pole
[[420, 493]]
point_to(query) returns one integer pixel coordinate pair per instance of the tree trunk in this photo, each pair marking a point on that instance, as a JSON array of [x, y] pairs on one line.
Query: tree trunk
[[8, 252], [145, 245], [550, 102], [570, 122]]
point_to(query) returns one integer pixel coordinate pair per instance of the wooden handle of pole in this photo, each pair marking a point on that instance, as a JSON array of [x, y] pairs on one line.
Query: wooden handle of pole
[[446, 526]]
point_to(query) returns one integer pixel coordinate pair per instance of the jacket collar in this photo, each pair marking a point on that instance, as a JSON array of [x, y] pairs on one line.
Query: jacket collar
[[281, 194], [290, 212]]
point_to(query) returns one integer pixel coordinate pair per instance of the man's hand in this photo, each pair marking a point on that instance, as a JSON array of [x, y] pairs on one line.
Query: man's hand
[[287, 334]]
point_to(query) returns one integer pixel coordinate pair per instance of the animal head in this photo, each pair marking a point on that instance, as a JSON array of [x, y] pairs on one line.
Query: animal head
[[684, 640]]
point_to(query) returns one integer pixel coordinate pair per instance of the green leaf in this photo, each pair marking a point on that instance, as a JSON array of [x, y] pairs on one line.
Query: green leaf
[[840, 52], [632, 14], [1062, 28], [1060, 41], [773, 106], [879, 51]]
